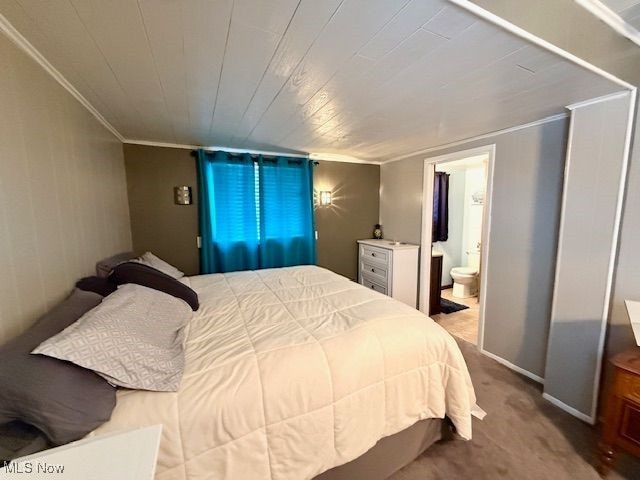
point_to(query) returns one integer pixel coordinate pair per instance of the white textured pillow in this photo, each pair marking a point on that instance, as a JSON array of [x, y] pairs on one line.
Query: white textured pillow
[[133, 339], [151, 260]]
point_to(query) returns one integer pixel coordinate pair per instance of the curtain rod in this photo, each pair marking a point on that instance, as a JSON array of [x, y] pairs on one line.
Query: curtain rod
[[194, 153]]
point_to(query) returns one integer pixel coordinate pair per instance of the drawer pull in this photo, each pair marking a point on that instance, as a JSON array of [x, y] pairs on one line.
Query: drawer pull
[[373, 270], [373, 287], [373, 254]]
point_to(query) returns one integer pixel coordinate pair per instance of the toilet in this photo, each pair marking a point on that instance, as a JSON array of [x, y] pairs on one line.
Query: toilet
[[465, 282], [465, 279]]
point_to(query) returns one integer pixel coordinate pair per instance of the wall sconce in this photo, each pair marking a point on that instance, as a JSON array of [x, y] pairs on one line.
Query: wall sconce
[[182, 195], [325, 198]]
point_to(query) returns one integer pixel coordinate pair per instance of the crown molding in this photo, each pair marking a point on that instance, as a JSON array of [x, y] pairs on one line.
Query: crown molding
[[336, 157], [457, 143], [611, 18], [17, 38], [325, 157], [150, 143]]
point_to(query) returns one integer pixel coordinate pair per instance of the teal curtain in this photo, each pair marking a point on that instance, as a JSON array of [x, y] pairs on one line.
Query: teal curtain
[[287, 232], [228, 221], [254, 214]]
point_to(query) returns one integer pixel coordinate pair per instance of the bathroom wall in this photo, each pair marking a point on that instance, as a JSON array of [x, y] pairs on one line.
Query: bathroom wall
[[452, 248], [465, 218], [472, 223]]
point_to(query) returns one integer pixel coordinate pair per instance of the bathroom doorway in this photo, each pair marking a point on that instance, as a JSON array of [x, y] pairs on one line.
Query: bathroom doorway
[[455, 223]]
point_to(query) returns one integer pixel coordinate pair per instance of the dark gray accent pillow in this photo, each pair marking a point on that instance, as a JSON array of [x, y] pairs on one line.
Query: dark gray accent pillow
[[61, 399], [138, 273], [17, 439], [101, 286], [104, 267]]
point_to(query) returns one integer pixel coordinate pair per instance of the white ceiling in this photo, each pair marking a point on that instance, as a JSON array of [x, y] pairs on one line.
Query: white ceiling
[[366, 78]]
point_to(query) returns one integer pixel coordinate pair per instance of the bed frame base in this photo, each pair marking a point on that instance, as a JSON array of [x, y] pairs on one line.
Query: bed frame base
[[391, 453]]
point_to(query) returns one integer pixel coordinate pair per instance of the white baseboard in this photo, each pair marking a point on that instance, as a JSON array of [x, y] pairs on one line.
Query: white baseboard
[[576, 413], [513, 367], [558, 403]]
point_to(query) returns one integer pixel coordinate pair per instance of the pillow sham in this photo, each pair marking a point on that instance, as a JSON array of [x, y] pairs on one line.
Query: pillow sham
[[104, 267], [133, 339], [62, 400], [151, 260], [101, 286], [133, 272]]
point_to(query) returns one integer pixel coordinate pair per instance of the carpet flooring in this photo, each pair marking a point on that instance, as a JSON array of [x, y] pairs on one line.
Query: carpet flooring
[[523, 437]]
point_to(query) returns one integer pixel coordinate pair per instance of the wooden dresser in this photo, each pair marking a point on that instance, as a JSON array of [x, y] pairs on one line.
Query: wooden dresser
[[390, 269], [621, 427]]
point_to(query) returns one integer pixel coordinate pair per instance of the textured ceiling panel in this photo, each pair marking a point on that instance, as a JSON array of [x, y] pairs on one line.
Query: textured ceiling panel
[[366, 78]]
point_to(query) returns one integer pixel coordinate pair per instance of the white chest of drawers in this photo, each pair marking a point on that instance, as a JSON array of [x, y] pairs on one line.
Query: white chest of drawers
[[389, 269]]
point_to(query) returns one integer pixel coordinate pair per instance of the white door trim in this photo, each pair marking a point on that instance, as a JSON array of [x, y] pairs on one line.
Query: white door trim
[[425, 241]]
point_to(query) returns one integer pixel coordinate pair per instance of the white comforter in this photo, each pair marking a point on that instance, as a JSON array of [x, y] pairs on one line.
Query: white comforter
[[293, 371]]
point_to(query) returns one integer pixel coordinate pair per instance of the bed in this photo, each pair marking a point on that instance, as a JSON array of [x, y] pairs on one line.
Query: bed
[[292, 372]]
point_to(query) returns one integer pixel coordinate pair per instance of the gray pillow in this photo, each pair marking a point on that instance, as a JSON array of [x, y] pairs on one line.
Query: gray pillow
[[62, 400], [150, 260], [104, 267], [134, 339]]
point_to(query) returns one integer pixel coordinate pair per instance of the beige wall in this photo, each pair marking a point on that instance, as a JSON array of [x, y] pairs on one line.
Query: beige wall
[[63, 199], [352, 215], [170, 230], [157, 223], [527, 189], [401, 199]]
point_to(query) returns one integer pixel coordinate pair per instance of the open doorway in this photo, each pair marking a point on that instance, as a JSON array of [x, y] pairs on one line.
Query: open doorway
[[455, 230]]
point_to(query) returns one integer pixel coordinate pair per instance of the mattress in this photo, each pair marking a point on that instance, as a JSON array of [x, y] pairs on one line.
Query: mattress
[[293, 371]]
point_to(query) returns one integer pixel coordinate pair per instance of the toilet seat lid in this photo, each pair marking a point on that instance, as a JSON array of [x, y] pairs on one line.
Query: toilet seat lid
[[466, 270]]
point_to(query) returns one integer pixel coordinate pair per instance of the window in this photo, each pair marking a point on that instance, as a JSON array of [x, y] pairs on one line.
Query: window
[[255, 213]]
